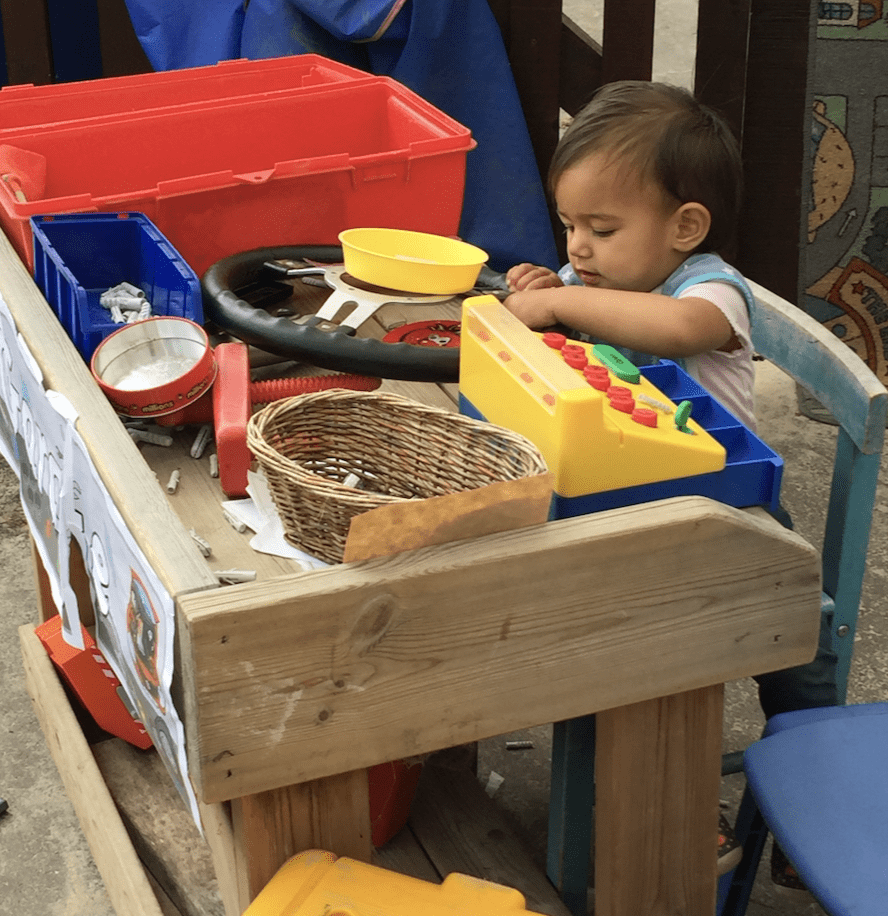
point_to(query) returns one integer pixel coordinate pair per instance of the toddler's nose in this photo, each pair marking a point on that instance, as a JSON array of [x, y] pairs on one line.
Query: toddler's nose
[[579, 243]]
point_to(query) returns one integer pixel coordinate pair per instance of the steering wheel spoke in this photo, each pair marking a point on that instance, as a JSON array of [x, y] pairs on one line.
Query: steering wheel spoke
[[307, 339]]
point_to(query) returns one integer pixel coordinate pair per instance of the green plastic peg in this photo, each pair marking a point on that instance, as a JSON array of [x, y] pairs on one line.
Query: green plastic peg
[[682, 415]]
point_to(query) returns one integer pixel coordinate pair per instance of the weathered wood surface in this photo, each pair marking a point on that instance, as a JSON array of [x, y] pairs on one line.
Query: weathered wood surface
[[482, 845], [325, 672], [828, 368], [160, 827], [270, 827], [454, 826], [657, 775], [125, 880]]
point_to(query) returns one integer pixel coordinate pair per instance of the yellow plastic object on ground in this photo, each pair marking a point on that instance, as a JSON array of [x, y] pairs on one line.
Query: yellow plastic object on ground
[[599, 424], [316, 883], [414, 262]]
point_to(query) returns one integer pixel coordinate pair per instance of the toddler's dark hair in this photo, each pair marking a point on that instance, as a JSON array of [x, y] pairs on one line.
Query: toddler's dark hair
[[664, 134]]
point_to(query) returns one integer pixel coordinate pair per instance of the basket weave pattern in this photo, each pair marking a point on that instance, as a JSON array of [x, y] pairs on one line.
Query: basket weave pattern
[[331, 455]]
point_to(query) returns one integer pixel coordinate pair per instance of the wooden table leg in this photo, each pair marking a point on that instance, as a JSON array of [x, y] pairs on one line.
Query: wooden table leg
[[270, 827], [658, 767]]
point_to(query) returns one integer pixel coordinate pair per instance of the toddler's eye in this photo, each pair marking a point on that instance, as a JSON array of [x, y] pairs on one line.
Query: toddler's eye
[[603, 233]]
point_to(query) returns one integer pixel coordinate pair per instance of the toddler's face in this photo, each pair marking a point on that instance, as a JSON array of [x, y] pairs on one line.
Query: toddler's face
[[620, 229]]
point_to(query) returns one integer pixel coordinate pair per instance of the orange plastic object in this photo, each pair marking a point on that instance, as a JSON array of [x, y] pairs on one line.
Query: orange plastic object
[[94, 682], [316, 883], [392, 788]]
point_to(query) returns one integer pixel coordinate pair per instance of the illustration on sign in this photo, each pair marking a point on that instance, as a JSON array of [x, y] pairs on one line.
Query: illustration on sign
[[69, 510], [846, 260]]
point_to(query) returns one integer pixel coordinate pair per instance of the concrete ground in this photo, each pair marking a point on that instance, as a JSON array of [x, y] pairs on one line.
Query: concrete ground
[[46, 868]]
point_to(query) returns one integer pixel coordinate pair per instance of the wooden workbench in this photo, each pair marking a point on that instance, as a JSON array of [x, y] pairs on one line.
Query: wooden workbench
[[290, 686]]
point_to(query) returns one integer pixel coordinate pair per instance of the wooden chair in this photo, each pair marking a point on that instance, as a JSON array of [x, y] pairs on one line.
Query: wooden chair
[[857, 401], [835, 375]]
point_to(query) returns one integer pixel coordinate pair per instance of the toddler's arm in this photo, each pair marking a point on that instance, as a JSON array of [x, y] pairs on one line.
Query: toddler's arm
[[530, 276], [648, 322]]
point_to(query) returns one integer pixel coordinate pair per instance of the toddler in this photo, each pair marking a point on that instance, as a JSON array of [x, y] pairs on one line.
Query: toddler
[[648, 185]]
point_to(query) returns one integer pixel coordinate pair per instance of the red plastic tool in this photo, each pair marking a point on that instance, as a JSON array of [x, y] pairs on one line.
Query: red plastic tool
[[230, 403], [91, 677]]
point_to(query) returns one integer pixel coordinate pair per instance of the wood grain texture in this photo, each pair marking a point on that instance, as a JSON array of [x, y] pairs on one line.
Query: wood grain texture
[[479, 844], [829, 369], [125, 880], [270, 827], [325, 672], [657, 781], [163, 833]]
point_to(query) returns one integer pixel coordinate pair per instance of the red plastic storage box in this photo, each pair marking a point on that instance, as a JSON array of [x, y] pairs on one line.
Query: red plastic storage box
[[26, 107], [283, 168]]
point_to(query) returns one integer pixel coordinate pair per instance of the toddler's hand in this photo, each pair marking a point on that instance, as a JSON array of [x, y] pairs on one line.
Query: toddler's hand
[[530, 276], [532, 307]]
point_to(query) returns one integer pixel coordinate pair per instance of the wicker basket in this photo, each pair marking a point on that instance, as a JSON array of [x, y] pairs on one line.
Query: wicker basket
[[331, 455]]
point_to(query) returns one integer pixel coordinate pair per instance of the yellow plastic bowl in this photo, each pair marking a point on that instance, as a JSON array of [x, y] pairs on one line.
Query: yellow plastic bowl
[[414, 262]]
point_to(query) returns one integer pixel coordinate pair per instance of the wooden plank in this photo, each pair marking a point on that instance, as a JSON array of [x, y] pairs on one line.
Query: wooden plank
[[531, 32], [628, 40], [216, 820], [775, 143], [46, 605], [163, 833], [462, 830], [122, 53], [829, 369], [720, 61], [270, 827], [403, 853], [657, 769], [27, 45], [334, 813], [579, 66], [137, 493], [120, 868], [325, 672]]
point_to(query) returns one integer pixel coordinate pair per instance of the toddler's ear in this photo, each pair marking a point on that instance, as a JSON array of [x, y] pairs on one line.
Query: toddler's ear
[[692, 222]]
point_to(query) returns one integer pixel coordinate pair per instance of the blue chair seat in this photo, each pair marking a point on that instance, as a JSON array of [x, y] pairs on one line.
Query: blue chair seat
[[822, 788]]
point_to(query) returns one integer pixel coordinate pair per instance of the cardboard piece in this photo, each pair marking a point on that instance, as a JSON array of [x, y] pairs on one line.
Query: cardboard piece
[[501, 506]]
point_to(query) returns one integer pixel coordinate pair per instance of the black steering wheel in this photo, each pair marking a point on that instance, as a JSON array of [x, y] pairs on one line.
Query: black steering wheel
[[335, 349]]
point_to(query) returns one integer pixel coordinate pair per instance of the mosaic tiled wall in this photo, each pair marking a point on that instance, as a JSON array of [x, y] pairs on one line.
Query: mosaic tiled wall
[[845, 263]]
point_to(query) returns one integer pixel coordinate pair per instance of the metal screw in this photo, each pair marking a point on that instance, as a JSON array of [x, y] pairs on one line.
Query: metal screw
[[843, 630]]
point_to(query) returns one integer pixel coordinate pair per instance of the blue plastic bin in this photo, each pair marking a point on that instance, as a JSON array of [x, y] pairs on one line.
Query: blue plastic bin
[[78, 256]]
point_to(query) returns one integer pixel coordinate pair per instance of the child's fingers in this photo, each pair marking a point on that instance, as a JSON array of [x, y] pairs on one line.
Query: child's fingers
[[531, 276], [548, 280], [516, 274]]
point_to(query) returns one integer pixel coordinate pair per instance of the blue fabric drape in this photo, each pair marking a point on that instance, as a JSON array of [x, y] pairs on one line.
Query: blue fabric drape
[[450, 52]]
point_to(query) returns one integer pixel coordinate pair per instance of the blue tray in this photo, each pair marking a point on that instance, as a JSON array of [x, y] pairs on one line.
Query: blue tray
[[752, 472], [78, 256]]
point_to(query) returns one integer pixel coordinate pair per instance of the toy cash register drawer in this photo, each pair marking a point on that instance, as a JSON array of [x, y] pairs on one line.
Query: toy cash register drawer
[[613, 434], [316, 883]]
